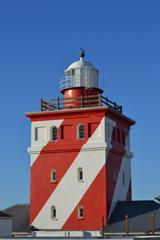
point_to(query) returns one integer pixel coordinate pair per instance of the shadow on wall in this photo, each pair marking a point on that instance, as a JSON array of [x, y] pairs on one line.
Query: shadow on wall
[[142, 215], [20, 217]]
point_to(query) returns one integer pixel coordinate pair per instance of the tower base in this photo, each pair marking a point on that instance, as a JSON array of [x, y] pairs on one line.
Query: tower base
[[67, 234]]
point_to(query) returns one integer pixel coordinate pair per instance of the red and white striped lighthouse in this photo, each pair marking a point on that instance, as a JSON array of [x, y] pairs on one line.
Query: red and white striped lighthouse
[[80, 154]]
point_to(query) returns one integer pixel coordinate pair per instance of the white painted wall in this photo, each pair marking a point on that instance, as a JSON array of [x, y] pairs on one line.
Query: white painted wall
[[5, 227], [121, 190], [44, 130], [109, 125]]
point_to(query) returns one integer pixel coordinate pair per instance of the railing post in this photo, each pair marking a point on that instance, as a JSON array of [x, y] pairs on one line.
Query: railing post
[[102, 230], [106, 101], [115, 105], [153, 224], [41, 101], [126, 225], [81, 99], [58, 107], [99, 100], [121, 109]]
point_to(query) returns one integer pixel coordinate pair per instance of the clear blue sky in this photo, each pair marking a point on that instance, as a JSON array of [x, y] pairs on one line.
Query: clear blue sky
[[38, 39]]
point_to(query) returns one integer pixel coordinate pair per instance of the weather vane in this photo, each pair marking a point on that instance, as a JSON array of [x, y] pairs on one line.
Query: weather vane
[[82, 53]]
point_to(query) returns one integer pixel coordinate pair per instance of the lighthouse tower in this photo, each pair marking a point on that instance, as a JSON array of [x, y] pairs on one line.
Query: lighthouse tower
[[80, 154]]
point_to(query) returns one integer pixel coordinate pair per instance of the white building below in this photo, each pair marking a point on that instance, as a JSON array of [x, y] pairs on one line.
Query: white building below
[[5, 225]]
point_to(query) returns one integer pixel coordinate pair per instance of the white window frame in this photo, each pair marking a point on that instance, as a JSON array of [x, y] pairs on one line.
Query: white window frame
[[36, 134], [53, 213], [78, 132], [79, 171], [53, 173], [80, 207], [54, 127]]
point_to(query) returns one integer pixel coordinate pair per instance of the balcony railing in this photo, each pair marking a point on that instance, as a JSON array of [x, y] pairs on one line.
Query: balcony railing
[[77, 81], [78, 102], [69, 82]]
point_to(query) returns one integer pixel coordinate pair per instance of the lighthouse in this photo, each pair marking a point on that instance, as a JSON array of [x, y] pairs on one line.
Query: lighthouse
[[80, 156]]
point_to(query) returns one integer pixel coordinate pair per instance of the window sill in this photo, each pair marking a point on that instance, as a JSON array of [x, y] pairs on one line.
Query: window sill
[[54, 219], [53, 181], [80, 218], [80, 181], [81, 139]]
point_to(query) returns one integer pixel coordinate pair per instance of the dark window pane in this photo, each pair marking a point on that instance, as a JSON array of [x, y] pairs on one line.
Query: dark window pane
[[53, 212], [54, 133], [36, 134], [81, 212], [80, 175], [81, 131], [53, 175]]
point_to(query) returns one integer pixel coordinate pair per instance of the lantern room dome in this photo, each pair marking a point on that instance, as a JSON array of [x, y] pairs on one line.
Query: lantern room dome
[[79, 64]]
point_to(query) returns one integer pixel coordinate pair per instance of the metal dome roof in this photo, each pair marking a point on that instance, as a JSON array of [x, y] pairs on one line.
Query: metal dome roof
[[79, 64]]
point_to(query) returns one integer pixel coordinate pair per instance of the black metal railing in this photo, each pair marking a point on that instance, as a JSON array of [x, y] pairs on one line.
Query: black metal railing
[[78, 102]]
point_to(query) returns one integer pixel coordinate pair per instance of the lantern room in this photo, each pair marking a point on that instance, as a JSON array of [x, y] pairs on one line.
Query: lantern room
[[81, 79]]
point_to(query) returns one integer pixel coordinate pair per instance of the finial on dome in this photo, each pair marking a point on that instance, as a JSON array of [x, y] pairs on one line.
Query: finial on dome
[[82, 53]]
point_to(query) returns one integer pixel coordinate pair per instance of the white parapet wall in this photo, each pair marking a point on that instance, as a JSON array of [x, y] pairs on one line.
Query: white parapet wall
[[66, 234], [5, 227]]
